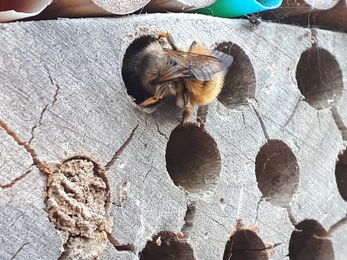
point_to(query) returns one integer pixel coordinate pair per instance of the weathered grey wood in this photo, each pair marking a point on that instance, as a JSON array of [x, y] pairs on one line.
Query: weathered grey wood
[[176, 5], [62, 92]]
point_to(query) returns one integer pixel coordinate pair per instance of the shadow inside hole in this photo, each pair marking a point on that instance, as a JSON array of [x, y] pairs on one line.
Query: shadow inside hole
[[240, 82], [131, 80], [277, 173], [310, 242], [166, 245], [245, 245], [192, 158], [319, 78], [341, 174]]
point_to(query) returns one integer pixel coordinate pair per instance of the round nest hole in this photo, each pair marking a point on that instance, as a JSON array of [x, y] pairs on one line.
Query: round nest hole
[[166, 245], [132, 81], [192, 158], [245, 245], [341, 174], [277, 172], [240, 82], [319, 78], [310, 242]]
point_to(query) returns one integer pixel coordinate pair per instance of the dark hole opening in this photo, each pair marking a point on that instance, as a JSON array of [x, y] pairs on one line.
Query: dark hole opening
[[319, 78], [277, 172], [132, 81], [192, 158], [240, 82]]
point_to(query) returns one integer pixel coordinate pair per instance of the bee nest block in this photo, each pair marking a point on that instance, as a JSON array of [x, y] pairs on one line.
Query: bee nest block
[[86, 173]]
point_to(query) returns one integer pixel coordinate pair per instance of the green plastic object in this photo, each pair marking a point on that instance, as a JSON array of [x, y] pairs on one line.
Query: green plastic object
[[234, 8]]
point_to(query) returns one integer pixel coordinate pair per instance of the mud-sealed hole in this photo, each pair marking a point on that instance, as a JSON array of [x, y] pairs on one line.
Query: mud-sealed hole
[[132, 81], [341, 174], [193, 159], [78, 203], [240, 82], [244, 245], [166, 245], [277, 172], [319, 78], [310, 242]]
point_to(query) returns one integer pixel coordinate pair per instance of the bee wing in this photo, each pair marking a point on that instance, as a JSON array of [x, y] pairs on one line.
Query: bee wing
[[203, 67], [224, 58]]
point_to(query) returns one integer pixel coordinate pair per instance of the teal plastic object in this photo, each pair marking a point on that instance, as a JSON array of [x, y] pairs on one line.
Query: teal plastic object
[[234, 8]]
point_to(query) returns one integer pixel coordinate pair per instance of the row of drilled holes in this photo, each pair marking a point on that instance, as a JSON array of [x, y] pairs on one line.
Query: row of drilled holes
[[318, 75], [309, 241], [193, 162]]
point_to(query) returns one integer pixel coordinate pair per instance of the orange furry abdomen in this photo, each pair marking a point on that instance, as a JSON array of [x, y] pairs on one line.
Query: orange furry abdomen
[[203, 92]]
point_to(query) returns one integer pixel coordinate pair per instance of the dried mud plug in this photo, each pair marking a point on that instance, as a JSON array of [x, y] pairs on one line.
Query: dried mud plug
[[78, 202]]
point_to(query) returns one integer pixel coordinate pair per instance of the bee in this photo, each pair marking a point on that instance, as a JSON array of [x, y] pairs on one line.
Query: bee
[[195, 76]]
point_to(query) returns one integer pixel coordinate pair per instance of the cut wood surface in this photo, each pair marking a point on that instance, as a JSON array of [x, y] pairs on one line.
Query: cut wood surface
[[272, 140]]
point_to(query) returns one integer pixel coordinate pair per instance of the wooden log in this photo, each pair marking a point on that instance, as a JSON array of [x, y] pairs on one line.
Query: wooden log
[[332, 17], [271, 141], [90, 8], [14, 10], [175, 5], [299, 7]]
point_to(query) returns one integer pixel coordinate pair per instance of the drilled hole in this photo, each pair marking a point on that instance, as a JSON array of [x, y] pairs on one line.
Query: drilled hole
[[245, 245], [239, 83], [277, 172], [341, 174], [192, 158], [132, 81], [166, 245], [310, 242], [319, 78]]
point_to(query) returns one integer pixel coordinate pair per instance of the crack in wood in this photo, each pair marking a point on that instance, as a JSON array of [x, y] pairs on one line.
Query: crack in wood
[[39, 123], [148, 172], [258, 204], [293, 112], [14, 256], [117, 245], [337, 225], [15, 181], [261, 122], [339, 122], [120, 150], [160, 132], [46, 106], [27, 147]]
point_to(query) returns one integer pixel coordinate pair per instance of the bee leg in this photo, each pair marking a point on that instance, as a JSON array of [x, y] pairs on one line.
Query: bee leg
[[185, 97], [192, 46], [149, 101], [201, 115], [187, 112], [170, 39], [159, 94], [187, 106]]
